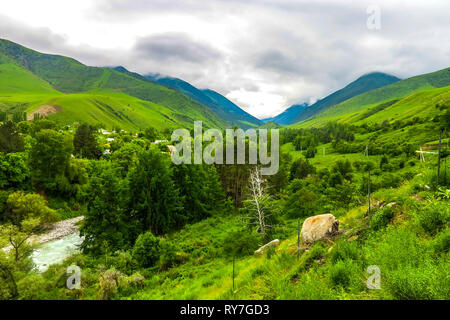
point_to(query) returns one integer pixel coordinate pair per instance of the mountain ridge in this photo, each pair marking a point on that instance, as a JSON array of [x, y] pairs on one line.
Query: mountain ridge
[[287, 116], [68, 76], [397, 90], [219, 104], [362, 84]]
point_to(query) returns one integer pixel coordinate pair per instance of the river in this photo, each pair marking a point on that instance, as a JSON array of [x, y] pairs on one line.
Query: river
[[56, 251]]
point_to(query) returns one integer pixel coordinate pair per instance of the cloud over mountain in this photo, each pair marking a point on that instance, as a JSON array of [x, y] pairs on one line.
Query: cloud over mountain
[[265, 55]]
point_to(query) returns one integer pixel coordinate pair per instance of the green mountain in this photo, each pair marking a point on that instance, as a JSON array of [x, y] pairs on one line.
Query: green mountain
[[223, 107], [423, 89], [91, 94], [289, 115], [363, 84]]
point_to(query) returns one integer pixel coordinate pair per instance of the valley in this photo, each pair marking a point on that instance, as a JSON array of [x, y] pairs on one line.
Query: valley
[[88, 149]]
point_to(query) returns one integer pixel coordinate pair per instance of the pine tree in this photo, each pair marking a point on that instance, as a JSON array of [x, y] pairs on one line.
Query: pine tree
[[108, 224], [49, 158], [155, 201], [85, 142]]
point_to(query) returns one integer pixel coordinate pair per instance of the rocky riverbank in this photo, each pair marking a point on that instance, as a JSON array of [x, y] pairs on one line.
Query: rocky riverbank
[[57, 231]]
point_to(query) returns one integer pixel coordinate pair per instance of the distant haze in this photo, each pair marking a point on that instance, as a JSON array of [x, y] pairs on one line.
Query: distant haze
[[263, 55]]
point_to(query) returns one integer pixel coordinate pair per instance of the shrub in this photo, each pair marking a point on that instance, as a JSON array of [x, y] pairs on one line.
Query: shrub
[[310, 152], [301, 168], [441, 243], [344, 274], [136, 280], [390, 180], [344, 168], [433, 218], [123, 261], [168, 256], [146, 250], [381, 218], [302, 203], [108, 284], [241, 243]]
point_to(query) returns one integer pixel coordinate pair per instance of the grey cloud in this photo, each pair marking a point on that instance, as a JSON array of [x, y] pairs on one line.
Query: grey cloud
[[174, 47], [299, 50], [47, 41], [37, 38], [276, 60]]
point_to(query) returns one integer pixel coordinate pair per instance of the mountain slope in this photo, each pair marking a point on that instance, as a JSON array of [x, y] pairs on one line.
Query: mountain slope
[[223, 107], [363, 84], [228, 109], [16, 79], [58, 74], [369, 100], [289, 115]]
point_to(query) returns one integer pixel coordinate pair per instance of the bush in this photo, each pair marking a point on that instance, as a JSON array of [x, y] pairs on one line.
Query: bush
[[146, 250], [168, 256], [241, 243], [381, 218], [441, 243], [123, 261], [301, 169], [301, 203], [310, 152], [345, 274], [433, 218], [108, 284], [390, 180]]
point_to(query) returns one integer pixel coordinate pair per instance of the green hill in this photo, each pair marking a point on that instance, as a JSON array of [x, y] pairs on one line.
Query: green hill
[[38, 79], [373, 99], [363, 84]]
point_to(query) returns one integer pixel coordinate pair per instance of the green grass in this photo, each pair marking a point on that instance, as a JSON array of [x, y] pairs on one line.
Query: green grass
[[14, 79]]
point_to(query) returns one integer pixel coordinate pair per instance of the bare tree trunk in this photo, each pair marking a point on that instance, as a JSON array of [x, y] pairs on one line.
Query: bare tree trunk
[[261, 211]]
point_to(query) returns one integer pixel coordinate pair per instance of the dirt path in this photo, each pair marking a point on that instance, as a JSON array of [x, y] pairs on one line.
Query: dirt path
[[44, 111]]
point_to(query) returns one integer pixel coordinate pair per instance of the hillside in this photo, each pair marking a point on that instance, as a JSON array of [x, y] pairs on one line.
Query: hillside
[[223, 107], [372, 99], [289, 115], [363, 84], [37, 73]]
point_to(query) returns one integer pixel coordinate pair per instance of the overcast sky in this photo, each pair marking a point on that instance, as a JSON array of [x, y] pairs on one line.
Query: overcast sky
[[264, 55]]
